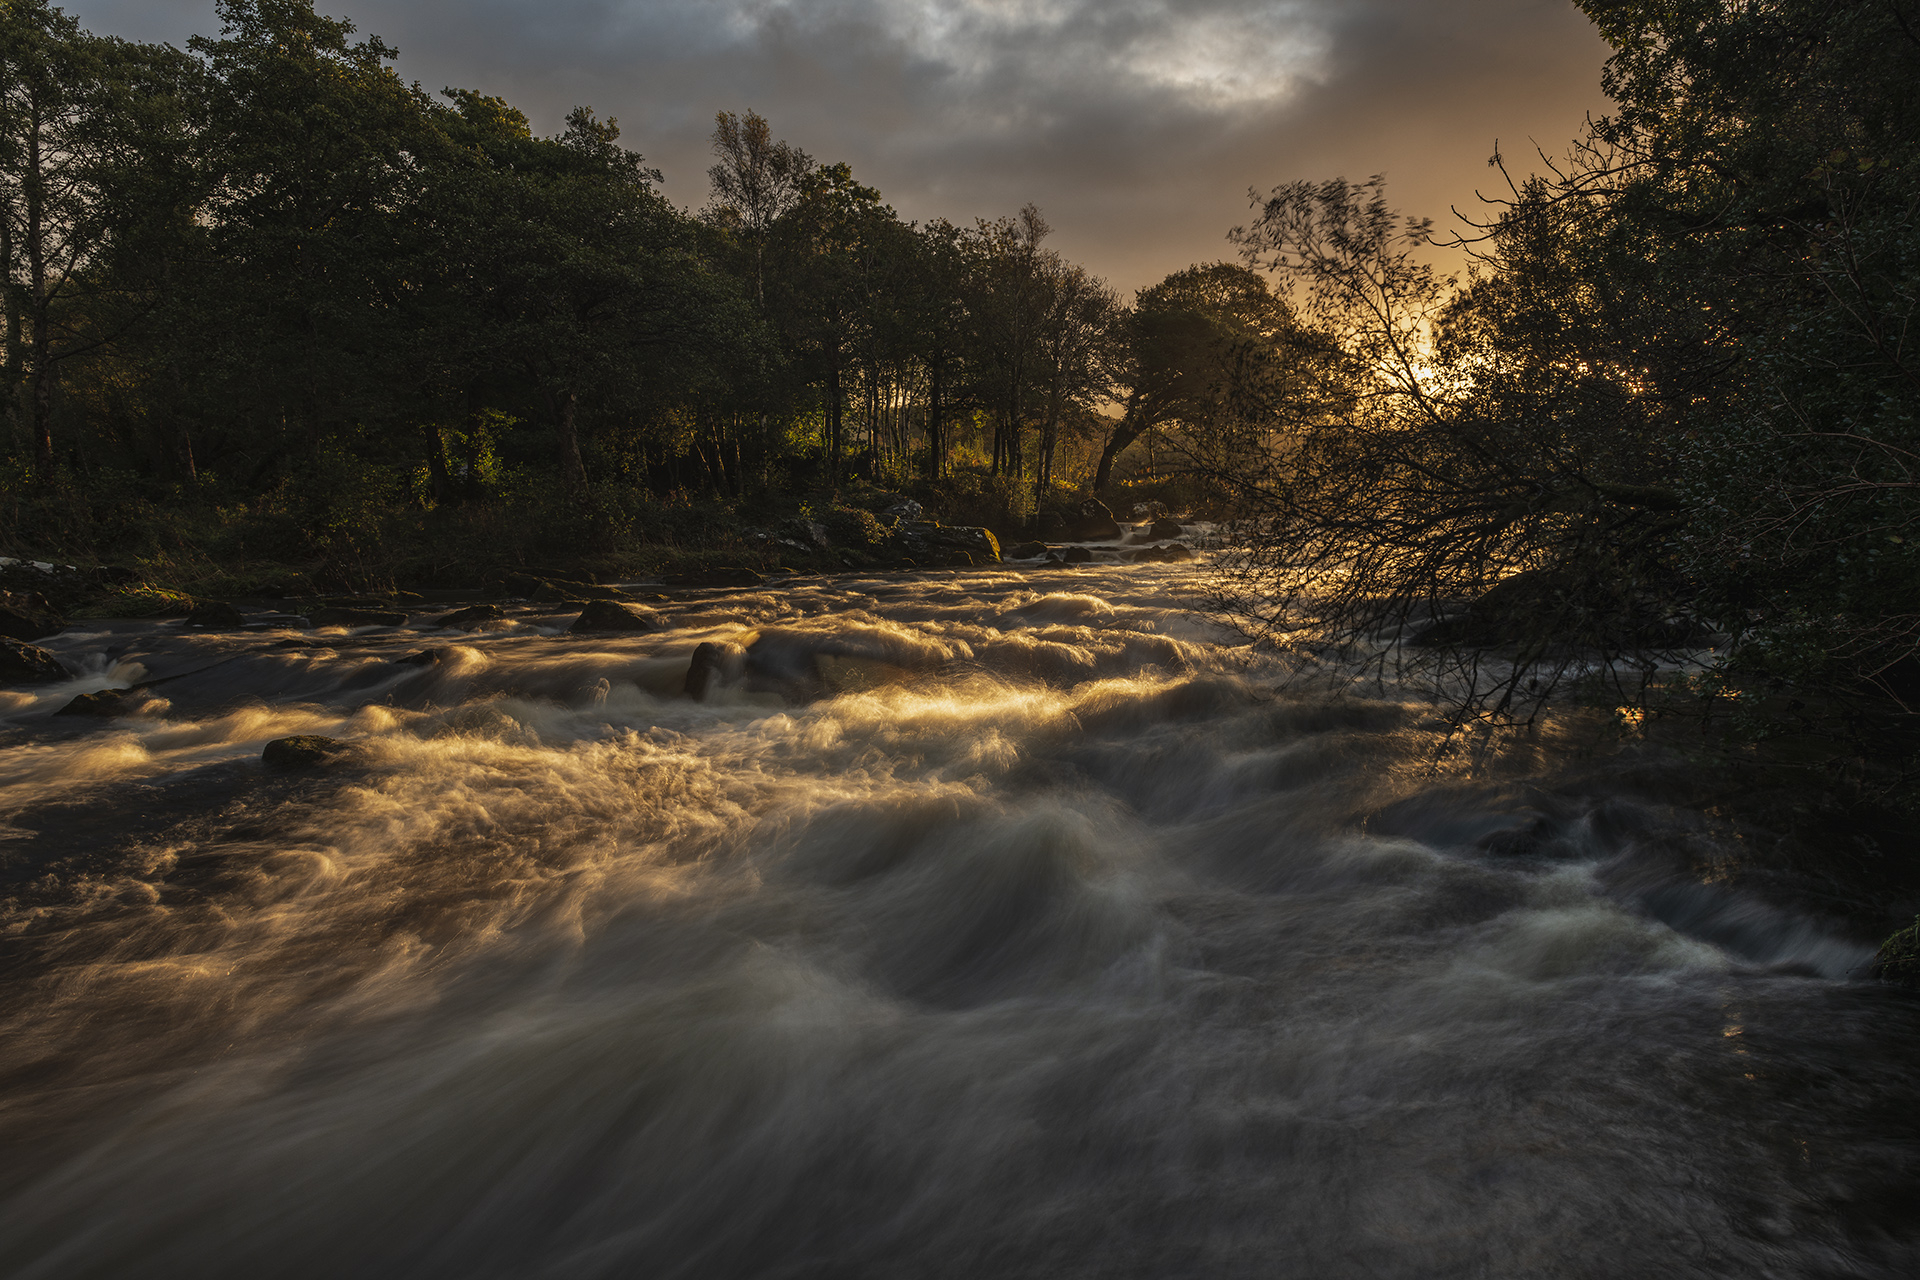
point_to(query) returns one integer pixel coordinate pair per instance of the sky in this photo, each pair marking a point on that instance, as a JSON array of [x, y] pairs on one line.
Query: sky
[[1137, 126]]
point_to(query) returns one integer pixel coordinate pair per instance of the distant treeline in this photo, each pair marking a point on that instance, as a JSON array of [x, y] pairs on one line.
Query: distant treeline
[[266, 272]]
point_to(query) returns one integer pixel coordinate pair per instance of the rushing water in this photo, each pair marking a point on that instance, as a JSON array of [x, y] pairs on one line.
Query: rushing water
[[989, 924]]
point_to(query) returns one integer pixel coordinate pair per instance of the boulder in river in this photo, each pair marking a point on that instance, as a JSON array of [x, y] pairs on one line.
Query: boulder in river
[[1076, 555], [29, 664], [611, 615], [356, 618], [104, 705], [214, 615], [1094, 523], [1028, 551], [1173, 551], [302, 751], [26, 615], [1163, 528], [928, 543], [714, 666], [470, 618]]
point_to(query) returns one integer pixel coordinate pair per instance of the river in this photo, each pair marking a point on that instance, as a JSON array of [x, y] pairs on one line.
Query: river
[[991, 923]]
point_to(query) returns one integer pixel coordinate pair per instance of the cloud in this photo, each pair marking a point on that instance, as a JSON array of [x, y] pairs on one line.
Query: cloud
[[1137, 125]]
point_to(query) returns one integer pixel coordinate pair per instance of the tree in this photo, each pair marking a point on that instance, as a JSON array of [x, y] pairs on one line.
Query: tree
[[1183, 347], [89, 131], [755, 181]]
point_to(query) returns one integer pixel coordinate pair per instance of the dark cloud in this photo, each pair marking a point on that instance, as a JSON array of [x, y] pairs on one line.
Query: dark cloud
[[1136, 125]]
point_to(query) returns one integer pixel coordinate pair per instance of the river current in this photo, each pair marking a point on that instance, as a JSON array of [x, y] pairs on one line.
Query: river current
[[992, 923]]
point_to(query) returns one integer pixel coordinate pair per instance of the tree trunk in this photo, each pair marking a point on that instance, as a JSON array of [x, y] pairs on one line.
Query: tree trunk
[[41, 398], [1123, 435], [934, 408], [573, 472], [833, 417]]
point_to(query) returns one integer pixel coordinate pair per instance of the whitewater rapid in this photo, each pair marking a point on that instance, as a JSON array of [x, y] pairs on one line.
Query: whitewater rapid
[[1038, 931]]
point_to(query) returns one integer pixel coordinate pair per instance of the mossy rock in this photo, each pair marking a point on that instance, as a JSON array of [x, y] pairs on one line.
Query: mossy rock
[[1899, 958], [142, 601]]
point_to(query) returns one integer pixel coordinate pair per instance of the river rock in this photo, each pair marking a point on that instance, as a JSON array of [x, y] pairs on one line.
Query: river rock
[[1095, 523], [26, 615], [1173, 551], [928, 543], [63, 584], [356, 618], [1898, 960], [302, 751], [104, 705], [714, 666], [1076, 555], [29, 664], [1028, 551], [470, 618], [611, 615], [1164, 528], [901, 510], [424, 658], [213, 615]]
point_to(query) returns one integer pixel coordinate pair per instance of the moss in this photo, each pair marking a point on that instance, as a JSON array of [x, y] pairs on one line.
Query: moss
[[139, 601], [1899, 958]]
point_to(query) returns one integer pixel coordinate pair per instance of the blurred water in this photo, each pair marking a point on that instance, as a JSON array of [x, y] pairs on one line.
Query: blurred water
[[975, 924]]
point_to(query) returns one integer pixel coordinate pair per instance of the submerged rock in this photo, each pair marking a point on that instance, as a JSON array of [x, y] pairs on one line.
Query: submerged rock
[[302, 751], [29, 664], [470, 618], [610, 615], [1173, 551], [424, 658], [356, 618]]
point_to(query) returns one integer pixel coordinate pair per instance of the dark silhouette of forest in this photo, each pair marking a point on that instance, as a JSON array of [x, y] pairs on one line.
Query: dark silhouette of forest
[[275, 316]]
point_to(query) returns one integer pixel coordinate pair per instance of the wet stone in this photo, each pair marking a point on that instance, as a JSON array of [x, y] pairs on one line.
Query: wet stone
[[214, 615], [356, 618], [610, 615], [28, 616], [1028, 551], [105, 705], [29, 664], [302, 751], [470, 618]]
